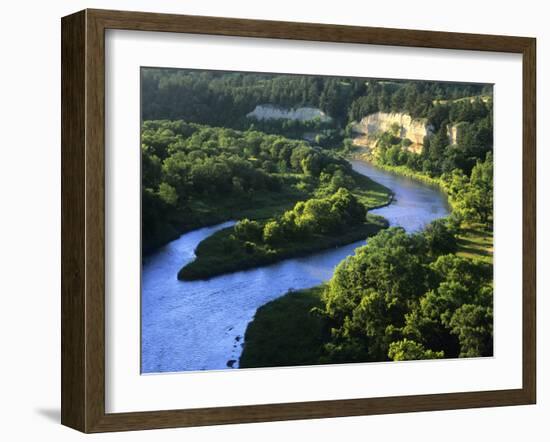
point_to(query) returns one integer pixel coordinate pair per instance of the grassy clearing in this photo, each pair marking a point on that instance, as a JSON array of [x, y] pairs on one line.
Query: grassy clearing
[[223, 253], [370, 193], [256, 205], [215, 209], [266, 205], [476, 242], [210, 210], [285, 332]]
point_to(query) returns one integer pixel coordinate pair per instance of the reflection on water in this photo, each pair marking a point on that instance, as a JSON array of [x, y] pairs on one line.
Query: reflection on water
[[199, 325], [415, 203]]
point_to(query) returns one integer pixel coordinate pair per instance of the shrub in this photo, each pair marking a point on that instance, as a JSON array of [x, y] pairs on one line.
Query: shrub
[[273, 233], [248, 230]]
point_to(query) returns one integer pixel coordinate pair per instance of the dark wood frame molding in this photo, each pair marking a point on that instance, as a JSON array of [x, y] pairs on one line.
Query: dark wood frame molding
[[83, 217]]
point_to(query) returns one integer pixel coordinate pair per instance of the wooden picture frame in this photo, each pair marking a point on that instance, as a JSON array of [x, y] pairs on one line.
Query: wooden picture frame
[[83, 220]]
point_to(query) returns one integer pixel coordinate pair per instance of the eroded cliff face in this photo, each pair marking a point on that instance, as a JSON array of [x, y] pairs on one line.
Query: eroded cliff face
[[270, 112], [372, 126], [455, 131]]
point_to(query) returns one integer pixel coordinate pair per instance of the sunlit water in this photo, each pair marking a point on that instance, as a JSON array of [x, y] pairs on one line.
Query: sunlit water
[[199, 325]]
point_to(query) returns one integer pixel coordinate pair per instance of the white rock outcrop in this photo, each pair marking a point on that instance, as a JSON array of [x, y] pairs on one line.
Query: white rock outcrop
[[373, 125], [455, 131], [270, 112]]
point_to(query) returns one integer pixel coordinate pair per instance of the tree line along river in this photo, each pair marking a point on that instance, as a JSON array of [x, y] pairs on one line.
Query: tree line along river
[[199, 325]]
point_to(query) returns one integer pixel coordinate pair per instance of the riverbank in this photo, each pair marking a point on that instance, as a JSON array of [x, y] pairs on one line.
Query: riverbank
[[401, 170], [285, 332], [475, 241], [222, 253], [214, 210], [292, 330], [205, 343], [299, 336]]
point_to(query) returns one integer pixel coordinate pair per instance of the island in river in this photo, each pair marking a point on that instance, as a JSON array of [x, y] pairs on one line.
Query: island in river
[[311, 226]]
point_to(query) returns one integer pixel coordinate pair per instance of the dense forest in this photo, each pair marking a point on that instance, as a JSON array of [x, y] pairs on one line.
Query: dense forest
[[402, 295], [195, 175], [224, 99], [192, 95]]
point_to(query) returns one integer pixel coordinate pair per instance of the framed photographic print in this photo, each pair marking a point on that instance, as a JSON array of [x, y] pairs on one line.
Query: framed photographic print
[[268, 220]]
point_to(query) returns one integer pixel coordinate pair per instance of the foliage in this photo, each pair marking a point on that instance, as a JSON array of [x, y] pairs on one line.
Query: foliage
[[400, 297], [224, 252], [407, 350], [472, 197], [417, 98], [223, 167], [473, 324], [312, 225], [376, 309], [185, 165], [441, 237], [316, 216], [234, 94], [248, 230], [473, 122]]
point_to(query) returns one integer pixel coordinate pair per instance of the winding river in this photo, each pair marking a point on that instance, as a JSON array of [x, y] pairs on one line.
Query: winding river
[[199, 325]]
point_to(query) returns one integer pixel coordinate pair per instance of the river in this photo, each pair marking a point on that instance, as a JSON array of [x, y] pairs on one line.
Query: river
[[199, 325]]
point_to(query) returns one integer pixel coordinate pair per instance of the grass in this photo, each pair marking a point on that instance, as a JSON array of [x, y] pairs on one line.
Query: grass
[[223, 253], [476, 242], [399, 170], [265, 205], [254, 205], [215, 209], [284, 332], [370, 193]]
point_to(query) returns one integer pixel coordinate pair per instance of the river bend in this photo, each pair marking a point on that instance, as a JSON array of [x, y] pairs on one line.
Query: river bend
[[199, 325]]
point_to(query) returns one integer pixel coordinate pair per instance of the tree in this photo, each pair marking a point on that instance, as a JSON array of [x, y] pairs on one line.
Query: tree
[[311, 165], [248, 230], [395, 299], [273, 233], [438, 145], [473, 324], [473, 198], [440, 237], [168, 194], [438, 115], [370, 292], [407, 350], [481, 182]]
